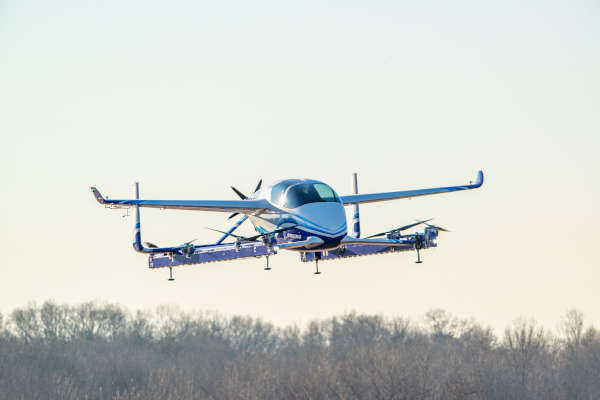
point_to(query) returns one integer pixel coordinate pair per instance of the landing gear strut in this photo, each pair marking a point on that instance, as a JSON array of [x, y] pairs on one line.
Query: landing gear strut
[[418, 243], [418, 257], [171, 274], [317, 258], [267, 268]]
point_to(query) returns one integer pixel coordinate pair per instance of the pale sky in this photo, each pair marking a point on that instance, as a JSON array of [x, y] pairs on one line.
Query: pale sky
[[191, 97]]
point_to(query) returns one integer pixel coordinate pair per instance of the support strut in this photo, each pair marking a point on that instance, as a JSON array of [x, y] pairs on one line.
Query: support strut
[[317, 272], [418, 245], [171, 274], [317, 258], [267, 268]]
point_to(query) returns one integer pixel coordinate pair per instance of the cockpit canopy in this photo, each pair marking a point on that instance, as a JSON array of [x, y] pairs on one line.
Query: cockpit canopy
[[294, 193]]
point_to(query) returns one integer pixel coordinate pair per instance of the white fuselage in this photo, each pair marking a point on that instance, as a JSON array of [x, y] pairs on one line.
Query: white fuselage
[[312, 206]]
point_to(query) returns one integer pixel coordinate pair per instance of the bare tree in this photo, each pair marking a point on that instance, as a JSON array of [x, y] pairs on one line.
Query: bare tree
[[54, 321], [525, 343], [27, 323], [580, 358], [101, 351]]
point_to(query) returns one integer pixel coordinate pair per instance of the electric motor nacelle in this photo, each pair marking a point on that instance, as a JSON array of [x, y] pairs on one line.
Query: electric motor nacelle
[[394, 235], [431, 233]]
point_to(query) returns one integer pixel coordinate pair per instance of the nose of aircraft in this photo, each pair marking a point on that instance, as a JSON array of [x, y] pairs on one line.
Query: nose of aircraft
[[325, 216]]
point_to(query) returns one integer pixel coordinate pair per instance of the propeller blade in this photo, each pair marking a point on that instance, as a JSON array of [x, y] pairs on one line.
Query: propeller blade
[[439, 228], [402, 228], [150, 245], [258, 186], [377, 234], [229, 234], [252, 238], [190, 242], [242, 195]]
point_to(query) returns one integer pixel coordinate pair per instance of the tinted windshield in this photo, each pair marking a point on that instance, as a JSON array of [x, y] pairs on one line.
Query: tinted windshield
[[278, 190], [304, 193]]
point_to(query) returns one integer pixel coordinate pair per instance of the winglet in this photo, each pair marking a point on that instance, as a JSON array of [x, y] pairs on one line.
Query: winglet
[[479, 180], [98, 195]]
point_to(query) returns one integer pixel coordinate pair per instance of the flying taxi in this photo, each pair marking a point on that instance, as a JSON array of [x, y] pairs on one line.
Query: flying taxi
[[301, 215]]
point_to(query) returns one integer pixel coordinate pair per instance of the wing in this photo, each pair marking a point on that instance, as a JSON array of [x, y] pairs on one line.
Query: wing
[[240, 206], [373, 197]]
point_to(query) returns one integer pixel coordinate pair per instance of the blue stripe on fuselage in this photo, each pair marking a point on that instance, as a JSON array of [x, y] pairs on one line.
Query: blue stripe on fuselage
[[298, 234], [326, 222]]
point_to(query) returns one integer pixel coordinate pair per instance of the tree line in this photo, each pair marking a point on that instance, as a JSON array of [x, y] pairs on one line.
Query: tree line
[[103, 351]]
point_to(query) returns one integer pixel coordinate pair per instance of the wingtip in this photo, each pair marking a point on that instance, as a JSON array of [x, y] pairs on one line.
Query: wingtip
[[479, 181], [97, 195]]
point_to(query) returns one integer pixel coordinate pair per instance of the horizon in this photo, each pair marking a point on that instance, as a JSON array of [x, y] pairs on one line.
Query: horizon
[[457, 325]]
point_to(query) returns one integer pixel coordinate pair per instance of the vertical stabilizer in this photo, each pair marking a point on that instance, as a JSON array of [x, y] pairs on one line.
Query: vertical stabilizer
[[356, 217], [137, 235]]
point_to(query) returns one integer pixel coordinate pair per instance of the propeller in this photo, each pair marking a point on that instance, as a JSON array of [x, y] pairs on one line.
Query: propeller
[[253, 238], [228, 234], [243, 196], [153, 246], [439, 228], [187, 249], [258, 186], [402, 228]]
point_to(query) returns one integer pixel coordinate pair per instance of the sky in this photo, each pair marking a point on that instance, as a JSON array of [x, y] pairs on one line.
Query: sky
[[189, 98]]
